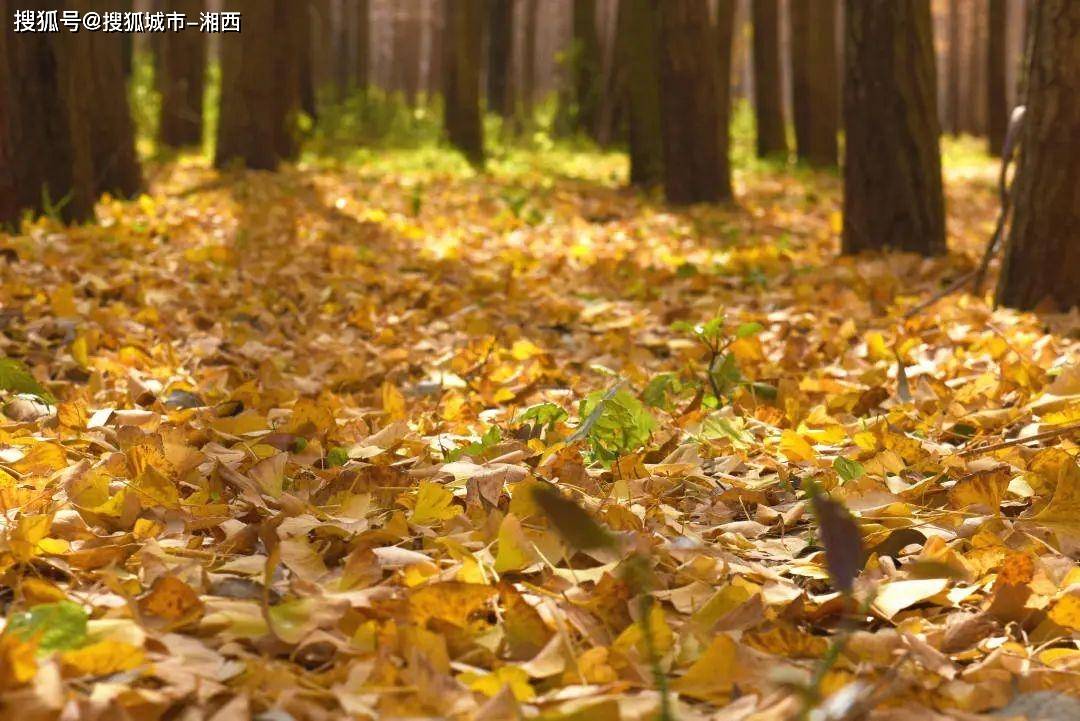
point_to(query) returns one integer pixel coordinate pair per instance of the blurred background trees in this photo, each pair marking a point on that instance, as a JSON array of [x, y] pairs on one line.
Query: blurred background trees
[[660, 79]]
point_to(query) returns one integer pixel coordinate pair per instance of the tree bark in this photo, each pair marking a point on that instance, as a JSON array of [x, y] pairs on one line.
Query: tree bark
[[892, 170], [638, 46], [725, 67], [952, 90], [464, 126], [1042, 257], [768, 101], [363, 44], [997, 89], [528, 62], [586, 66], [99, 115], [815, 81], [255, 121], [695, 165], [35, 130], [305, 62], [183, 60], [500, 55]]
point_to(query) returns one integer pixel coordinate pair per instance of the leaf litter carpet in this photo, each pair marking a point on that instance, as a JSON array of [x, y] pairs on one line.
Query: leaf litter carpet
[[290, 448]]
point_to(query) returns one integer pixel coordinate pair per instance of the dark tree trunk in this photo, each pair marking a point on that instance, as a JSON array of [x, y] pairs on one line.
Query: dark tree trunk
[[464, 126], [638, 46], [586, 66], [1042, 258], [695, 166], [528, 61], [997, 91], [815, 81], [892, 166], [99, 114], [255, 117], [183, 59], [952, 89], [500, 46], [363, 44], [725, 68], [768, 98], [305, 70], [33, 120], [407, 49]]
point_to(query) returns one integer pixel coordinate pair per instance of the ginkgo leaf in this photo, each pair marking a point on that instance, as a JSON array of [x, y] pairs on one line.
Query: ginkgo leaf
[[434, 503]]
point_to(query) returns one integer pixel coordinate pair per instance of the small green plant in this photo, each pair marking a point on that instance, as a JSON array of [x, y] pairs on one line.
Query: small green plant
[[615, 423], [722, 371]]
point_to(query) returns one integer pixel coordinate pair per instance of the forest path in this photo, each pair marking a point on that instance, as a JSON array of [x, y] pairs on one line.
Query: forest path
[[290, 459]]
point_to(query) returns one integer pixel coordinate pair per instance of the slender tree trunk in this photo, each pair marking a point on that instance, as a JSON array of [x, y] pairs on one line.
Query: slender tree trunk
[[363, 45], [464, 126], [305, 63], [500, 45], [726, 73], [695, 167], [34, 117], [528, 62], [1042, 258], [768, 101], [815, 81], [103, 134], [952, 90], [183, 60], [997, 90], [254, 127], [586, 66], [892, 169], [638, 46]]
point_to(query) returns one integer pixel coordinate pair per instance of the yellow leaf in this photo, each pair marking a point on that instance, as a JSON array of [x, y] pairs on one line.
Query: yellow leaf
[[433, 504], [172, 601], [515, 551], [710, 678], [80, 352], [795, 448], [18, 660], [62, 301], [450, 601], [102, 658], [490, 684], [1066, 612], [393, 401]]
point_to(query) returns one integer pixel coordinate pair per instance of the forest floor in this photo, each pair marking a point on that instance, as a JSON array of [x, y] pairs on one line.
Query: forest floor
[[302, 423]]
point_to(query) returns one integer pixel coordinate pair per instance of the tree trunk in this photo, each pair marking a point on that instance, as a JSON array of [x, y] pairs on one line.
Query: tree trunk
[[99, 114], [638, 46], [695, 166], [528, 61], [34, 123], [586, 66], [363, 45], [892, 169], [815, 81], [254, 127], [183, 59], [997, 89], [305, 70], [952, 90], [464, 126], [768, 101], [1042, 258], [726, 73], [500, 46]]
